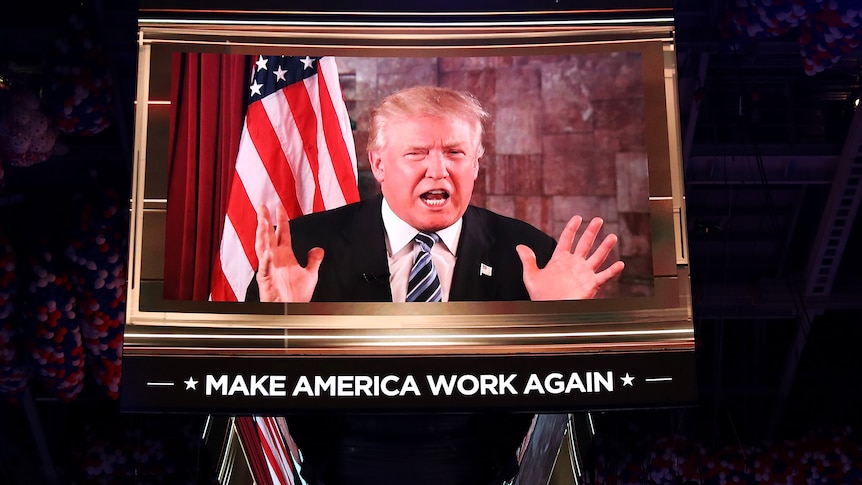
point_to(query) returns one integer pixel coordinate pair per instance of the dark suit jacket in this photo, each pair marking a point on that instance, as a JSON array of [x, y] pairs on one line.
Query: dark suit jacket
[[452, 449], [355, 266]]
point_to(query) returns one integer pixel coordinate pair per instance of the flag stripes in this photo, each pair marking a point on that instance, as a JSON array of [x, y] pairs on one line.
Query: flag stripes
[[279, 461], [296, 151]]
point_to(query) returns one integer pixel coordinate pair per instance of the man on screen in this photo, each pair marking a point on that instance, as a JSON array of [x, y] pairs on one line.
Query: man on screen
[[420, 241], [424, 149]]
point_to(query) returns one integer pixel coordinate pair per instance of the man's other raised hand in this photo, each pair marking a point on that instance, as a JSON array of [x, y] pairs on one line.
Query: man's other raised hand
[[571, 274]]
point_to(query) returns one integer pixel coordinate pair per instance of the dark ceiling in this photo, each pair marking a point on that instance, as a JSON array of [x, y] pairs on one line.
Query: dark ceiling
[[773, 181], [772, 169]]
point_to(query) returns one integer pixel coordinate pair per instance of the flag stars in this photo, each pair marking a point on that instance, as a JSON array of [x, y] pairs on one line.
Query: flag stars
[[307, 63], [255, 88], [279, 73], [261, 63]]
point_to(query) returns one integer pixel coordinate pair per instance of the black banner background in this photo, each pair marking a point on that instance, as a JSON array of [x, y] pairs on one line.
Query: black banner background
[[158, 383]]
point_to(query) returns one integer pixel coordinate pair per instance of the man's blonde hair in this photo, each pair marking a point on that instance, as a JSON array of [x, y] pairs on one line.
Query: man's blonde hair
[[427, 101]]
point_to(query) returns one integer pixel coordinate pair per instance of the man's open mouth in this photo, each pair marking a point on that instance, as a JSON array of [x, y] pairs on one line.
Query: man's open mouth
[[435, 197]]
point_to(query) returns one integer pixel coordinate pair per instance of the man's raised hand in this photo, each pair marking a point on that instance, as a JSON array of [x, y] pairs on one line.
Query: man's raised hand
[[571, 274], [280, 277]]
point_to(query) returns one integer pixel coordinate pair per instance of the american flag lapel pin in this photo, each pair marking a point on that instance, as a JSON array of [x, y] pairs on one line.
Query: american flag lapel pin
[[485, 270]]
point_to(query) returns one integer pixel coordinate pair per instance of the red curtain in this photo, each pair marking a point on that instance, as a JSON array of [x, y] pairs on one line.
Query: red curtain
[[207, 103]]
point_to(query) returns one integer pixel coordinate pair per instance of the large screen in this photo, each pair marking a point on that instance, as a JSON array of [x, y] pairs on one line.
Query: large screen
[[582, 121]]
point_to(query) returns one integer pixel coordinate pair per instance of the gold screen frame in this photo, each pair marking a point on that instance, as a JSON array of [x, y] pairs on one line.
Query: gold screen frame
[[658, 322]]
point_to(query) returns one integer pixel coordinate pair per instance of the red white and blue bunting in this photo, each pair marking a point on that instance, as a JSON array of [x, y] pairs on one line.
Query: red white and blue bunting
[[66, 322], [98, 255], [14, 370], [826, 29]]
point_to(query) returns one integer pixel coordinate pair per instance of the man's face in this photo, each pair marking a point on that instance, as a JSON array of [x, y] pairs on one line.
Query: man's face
[[427, 169]]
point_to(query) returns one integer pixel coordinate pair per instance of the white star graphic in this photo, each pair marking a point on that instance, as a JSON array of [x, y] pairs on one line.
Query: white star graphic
[[279, 73], [628, 380], [307, 63], [261, 63], [191, 384], [255, 88]]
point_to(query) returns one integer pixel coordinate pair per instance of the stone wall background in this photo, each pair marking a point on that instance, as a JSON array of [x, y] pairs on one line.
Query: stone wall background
[[566, 137]]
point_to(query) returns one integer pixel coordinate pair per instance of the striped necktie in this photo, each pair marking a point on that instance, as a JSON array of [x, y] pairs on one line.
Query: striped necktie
[[424, 284]]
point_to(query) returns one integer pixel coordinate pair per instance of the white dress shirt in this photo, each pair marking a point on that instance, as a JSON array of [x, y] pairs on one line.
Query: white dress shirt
[[401, 251]]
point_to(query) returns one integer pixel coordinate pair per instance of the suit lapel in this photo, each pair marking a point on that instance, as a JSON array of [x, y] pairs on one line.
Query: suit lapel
[[471, 280], [365, 255]]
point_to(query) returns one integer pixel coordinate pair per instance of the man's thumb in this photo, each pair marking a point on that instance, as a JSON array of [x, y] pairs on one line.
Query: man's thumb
[[528, 258], [315, 257]]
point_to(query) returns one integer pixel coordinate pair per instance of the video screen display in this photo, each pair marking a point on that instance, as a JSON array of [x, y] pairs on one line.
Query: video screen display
[[282, 174], [560, 141]]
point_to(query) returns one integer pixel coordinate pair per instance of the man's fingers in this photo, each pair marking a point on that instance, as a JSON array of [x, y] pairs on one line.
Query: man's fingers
[[282, 228], [567, 237], [281, 216], [588, 238], [264, 286], [263, 264], [610, 273], [601, 254], [261, 236]]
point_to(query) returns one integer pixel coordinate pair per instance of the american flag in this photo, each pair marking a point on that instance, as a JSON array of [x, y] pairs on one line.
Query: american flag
[[282, 463], [270, 452], [296, 150]]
